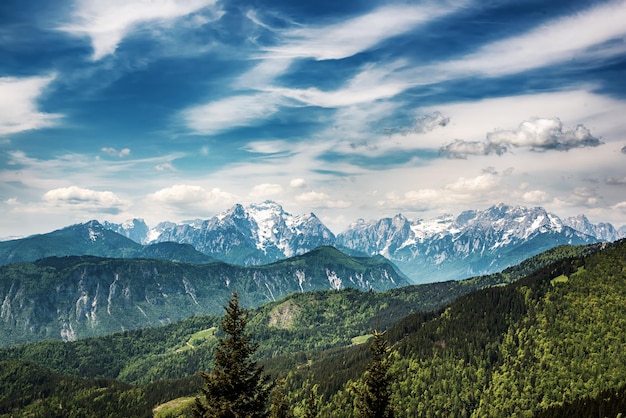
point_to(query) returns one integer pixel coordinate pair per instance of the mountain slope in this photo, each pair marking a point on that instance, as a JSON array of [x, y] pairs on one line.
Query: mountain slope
[[92, 238], [447, 247], [257, 234], [77, 297], [298, 323], [473, 243], [555, 336]]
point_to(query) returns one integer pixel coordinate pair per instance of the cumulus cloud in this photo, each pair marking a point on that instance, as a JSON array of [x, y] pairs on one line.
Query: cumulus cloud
[[584, 196], [461, 149], [613, 181], [124, 152], [84, 199], [537, 134], [266, 189], [297, 183], [460, 191], [535, 196], [541, 134], [321, 200], [422, 124], [427, 123], [186, 198], [18, 104], [106, 23]]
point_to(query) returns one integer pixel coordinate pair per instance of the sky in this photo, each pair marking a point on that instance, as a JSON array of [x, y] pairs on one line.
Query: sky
[[179, 109]]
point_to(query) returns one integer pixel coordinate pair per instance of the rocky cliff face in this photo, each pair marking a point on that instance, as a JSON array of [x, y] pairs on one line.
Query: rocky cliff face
[[77, 297], [257, 234], [473, 243]]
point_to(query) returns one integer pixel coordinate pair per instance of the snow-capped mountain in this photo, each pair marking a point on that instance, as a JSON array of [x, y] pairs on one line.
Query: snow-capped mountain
[[473, 243], [256, 234], [447, 247], [603, 231], [135, 229]]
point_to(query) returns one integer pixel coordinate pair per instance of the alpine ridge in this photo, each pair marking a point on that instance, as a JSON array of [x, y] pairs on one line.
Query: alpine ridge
[[82, 296], [473, 243]]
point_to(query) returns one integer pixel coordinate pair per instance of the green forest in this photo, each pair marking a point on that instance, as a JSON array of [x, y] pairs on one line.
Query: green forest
[[546, 338]]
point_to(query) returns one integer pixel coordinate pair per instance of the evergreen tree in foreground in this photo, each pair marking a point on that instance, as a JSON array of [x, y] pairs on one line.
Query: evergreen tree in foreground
[[236, 387], [373, 398]]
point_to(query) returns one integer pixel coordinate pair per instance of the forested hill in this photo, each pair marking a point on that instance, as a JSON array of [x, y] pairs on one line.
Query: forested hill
[[537, 346], [547, 344], [76, 297]]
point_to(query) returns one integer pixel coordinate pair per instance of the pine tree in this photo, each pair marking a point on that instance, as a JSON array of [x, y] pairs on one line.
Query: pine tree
[[237, 386], [311, 404], [373, 397], [280, 404]]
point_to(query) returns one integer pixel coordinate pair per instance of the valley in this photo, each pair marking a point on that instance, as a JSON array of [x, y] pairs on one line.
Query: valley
[[459, 346]]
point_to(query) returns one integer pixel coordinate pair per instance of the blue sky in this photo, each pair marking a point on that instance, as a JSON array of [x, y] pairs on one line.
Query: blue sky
[[172, 110]]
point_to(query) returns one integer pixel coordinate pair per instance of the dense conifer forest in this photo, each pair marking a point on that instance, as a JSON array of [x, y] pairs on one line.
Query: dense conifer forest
[[545, 339]]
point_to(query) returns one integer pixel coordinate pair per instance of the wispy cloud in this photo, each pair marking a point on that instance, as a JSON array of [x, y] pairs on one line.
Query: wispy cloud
[[351, 36], [234, 111], [538, 134], [18, 104], [124, 152], [572, 37], [106, 23], [321, 42]]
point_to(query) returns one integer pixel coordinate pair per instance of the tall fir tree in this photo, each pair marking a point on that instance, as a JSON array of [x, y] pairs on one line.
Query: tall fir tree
[[373, 397], [236, 387], [280, 407]]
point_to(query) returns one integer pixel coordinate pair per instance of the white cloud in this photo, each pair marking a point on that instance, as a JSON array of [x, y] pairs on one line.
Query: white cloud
[[461, 191], [165, 167], [351, 36], [124, 152], [189, 199], [535, 196], [372, 83], [569, 37], [621, 206], [321, 200], [74, 197], [537, 134], [268, 147], [18, 104], [613, 181], [106, 23], [231, 112], [545, 134], [297, 183], [265, 190]]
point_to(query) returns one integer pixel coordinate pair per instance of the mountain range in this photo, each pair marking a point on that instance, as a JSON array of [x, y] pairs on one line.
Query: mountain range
[[475, 242], [82, 296], [447, 247], [547, 344]]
